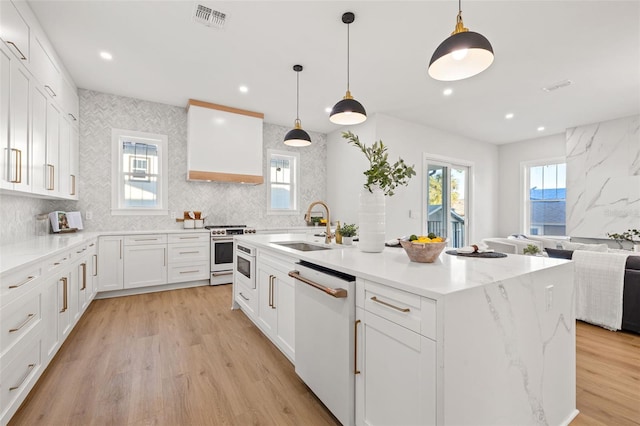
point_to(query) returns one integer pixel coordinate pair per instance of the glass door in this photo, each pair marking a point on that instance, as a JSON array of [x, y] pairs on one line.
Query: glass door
[[447, 202]]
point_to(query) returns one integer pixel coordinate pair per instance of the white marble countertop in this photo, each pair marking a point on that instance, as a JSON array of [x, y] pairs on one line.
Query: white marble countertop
[[27, 252], [392, 267]]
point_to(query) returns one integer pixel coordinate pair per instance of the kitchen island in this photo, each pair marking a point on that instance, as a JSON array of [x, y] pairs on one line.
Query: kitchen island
[[461, 341]]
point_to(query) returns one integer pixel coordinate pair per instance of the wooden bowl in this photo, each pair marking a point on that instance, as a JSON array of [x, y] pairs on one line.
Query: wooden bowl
[[423, 252]]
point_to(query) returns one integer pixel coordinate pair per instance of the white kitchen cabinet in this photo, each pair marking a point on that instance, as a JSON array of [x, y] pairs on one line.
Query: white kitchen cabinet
[[395, 364], [223, 143], [14, 31], [74, 161], [44, 68], [14, 110], [64, 157], [110, 263], [145, 260], [276, 297], [53, 150], [188, 257]]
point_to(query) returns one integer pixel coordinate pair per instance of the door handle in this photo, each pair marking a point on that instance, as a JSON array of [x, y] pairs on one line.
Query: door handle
[[338, 293], [355, 347], [65, 295], [375, 299], [18, 154]]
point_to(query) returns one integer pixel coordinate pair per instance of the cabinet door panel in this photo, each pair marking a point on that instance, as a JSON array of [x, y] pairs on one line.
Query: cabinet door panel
[[110, 263], [145, 265], [53, 149], [5, 84], [39, 141], [399, 380], [14, 31], [267, 316], [285, 309], [64, 158]]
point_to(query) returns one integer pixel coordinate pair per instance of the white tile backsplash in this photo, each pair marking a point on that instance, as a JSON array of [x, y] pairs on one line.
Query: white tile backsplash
[[224, 203]]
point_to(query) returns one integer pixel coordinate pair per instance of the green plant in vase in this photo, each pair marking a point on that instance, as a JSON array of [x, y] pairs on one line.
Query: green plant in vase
[[349, 230], [531, 250]]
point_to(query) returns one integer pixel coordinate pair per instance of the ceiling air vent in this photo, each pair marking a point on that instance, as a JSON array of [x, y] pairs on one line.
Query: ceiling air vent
[[558, 85], [208, 16]]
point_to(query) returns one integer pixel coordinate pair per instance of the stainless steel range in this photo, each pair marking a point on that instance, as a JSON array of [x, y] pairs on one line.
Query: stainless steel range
[[222, 251]]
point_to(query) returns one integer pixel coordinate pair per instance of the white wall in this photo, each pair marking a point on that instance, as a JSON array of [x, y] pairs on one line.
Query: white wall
[[510, 186], [410, 141]]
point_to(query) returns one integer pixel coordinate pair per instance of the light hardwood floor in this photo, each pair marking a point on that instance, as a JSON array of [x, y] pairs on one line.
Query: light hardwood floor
[[184, 358]]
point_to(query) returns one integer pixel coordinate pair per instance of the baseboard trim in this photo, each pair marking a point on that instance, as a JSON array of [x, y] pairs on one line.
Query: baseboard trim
[[151, 289]]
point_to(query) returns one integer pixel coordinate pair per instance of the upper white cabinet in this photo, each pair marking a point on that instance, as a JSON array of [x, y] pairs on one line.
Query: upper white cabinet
[[14, 30], [224, 144], [38, 110], [14, 123]]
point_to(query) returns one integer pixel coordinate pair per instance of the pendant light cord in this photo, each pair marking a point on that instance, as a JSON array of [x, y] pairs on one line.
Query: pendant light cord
[[298, 96], [348, 43]]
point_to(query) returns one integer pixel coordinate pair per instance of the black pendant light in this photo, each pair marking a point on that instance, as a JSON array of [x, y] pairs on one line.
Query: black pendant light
[[297, 136], [462, 55], [348, 110]]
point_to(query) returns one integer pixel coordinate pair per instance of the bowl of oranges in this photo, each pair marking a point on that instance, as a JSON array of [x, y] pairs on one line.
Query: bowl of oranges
[[423, 249]]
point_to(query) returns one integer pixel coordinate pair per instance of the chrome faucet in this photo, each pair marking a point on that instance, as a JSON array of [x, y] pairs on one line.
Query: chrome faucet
[[307, 217]]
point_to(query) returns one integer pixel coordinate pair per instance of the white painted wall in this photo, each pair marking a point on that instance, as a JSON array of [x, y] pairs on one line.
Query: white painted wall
[[511, 156], [410, 141]]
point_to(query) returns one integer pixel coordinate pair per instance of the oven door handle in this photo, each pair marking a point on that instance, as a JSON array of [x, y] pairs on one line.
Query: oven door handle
[[219, 274], [338, 293]]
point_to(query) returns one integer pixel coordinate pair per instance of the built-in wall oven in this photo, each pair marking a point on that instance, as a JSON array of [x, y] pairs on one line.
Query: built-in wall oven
[[246, 265], [222, 251]]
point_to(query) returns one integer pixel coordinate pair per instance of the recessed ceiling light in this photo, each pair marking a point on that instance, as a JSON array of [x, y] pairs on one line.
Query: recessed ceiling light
[[541, 128], [327, 110], [243, 89], [509, 116], [106, 55], [447, 91]]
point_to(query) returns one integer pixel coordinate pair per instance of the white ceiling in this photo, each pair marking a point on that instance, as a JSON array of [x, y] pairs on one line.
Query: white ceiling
[[161, 55]]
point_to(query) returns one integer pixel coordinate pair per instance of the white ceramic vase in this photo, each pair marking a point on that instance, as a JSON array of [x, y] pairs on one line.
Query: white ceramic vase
[[347, 241], [371, 221]]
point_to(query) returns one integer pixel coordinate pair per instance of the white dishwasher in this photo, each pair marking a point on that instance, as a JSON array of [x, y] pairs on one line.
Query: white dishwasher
[[324, 336]]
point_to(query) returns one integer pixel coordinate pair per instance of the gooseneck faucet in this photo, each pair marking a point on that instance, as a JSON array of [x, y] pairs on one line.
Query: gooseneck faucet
[[307, 217]]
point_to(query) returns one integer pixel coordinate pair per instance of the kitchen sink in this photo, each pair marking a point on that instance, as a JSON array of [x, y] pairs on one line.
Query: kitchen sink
[[302, 246]]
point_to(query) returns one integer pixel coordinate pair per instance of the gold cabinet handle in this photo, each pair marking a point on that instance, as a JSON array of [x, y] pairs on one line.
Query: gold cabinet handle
[[65, 295], [243, 296], [31, 366], [18, 154], [15, 46], [189, 272], [272, 286], [91, 245], [219, 274], [52, 175], [95, 265], [25, 322], [84, 276], [73, 117], [188, 252], [382, 302], [28, 280], [188, 238], [120, 249], [355, 346], [338, 293], [73, 185], [50, 90]]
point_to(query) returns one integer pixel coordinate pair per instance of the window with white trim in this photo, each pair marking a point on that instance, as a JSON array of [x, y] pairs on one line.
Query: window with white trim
[[545, 197], [139, 173], [282, 185]]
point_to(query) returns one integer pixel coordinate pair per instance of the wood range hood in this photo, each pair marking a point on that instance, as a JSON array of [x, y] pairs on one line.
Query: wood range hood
[[224, 144]]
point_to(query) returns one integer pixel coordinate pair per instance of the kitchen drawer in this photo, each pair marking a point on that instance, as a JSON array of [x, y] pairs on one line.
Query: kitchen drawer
[[19, 318], [395, 305], [188, 252], [246, 297], [54, 263], [18, 375], [18, 283], [189, 272], [190, 238], [138, 240]]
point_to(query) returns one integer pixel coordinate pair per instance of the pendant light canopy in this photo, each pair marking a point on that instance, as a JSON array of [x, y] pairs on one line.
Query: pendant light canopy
[[462, 55], [297, 136], [348, 110]]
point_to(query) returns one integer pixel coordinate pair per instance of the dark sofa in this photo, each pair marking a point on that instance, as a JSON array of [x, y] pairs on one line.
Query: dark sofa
[[631, 292]]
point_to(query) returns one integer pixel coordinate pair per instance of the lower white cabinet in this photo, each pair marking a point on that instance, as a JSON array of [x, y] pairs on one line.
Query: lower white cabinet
[[276, 297], [40, 306], [110, 263], [145, 265], [395, 365], [188, 257]]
